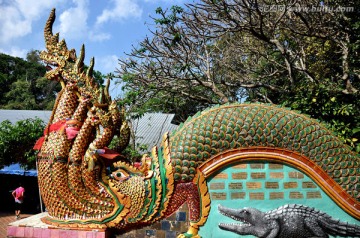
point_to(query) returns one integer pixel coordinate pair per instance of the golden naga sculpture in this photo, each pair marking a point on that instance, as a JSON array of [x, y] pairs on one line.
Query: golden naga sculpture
[[85, 185]]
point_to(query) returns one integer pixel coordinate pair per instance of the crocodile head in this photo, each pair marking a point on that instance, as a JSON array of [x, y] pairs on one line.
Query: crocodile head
[[253, 221]]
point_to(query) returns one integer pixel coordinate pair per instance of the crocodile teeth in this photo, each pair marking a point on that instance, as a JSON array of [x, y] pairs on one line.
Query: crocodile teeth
[[235, 224]]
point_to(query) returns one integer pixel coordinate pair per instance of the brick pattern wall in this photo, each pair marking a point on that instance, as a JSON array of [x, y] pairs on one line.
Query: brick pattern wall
[[262, 181]]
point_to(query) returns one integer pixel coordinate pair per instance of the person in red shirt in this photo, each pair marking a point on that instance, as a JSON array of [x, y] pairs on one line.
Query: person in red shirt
[[18, 195]]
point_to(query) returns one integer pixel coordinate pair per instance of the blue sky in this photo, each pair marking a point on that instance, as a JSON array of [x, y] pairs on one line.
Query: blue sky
[[107, 28]]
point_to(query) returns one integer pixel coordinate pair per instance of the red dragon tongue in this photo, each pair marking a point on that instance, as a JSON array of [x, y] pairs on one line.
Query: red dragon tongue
[[110, 156]]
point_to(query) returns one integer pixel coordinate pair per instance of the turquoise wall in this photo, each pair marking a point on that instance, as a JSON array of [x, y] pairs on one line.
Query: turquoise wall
[[264, 186]]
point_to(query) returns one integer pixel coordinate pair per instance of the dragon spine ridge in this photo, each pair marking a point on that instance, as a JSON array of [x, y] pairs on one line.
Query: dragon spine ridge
[[246, 125]]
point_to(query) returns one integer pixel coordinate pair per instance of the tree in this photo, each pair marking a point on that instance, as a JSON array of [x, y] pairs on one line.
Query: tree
[[33, 56], [151, 83], [299, 54], [17, 141], [23, 85]]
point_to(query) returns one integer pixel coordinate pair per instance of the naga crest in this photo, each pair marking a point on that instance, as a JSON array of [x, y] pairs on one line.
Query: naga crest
[[83, 183]]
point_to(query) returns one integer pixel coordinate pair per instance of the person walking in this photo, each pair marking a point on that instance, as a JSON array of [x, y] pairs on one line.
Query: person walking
[[18, 195]]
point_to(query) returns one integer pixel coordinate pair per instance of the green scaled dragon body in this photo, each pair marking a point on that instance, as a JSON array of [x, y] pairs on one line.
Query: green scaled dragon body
[[80, 192]]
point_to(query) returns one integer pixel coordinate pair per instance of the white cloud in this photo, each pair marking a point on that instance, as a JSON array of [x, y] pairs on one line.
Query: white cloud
[[15, 52], [123, 9], [12, 25], [32, 10], [99, 36], [17, 17], [73, 21], [106, 64]]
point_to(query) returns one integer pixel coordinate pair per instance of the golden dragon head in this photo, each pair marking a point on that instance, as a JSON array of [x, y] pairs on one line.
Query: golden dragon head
[[63, 64], [94, 186]]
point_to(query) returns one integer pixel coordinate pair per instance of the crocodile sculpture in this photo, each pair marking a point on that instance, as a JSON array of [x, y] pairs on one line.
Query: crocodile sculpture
[[287, 221], [84, 185]]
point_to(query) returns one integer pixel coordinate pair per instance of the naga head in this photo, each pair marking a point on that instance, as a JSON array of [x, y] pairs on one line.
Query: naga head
[[64, 66], [143, 188], [92, 195], [253, 221], [134, 184], [141, 191]]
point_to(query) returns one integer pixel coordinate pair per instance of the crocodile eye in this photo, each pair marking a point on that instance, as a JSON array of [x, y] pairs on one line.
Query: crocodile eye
[[245, 211]]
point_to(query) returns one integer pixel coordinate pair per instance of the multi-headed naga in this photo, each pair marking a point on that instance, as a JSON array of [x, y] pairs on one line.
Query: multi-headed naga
[[83, 185]]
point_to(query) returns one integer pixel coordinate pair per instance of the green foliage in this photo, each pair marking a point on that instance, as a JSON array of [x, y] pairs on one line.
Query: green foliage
[[171, 18], [33, 56], [22, 83], [135, 154], [322, 102], [149, 99], [97, 75], [17, 141]]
